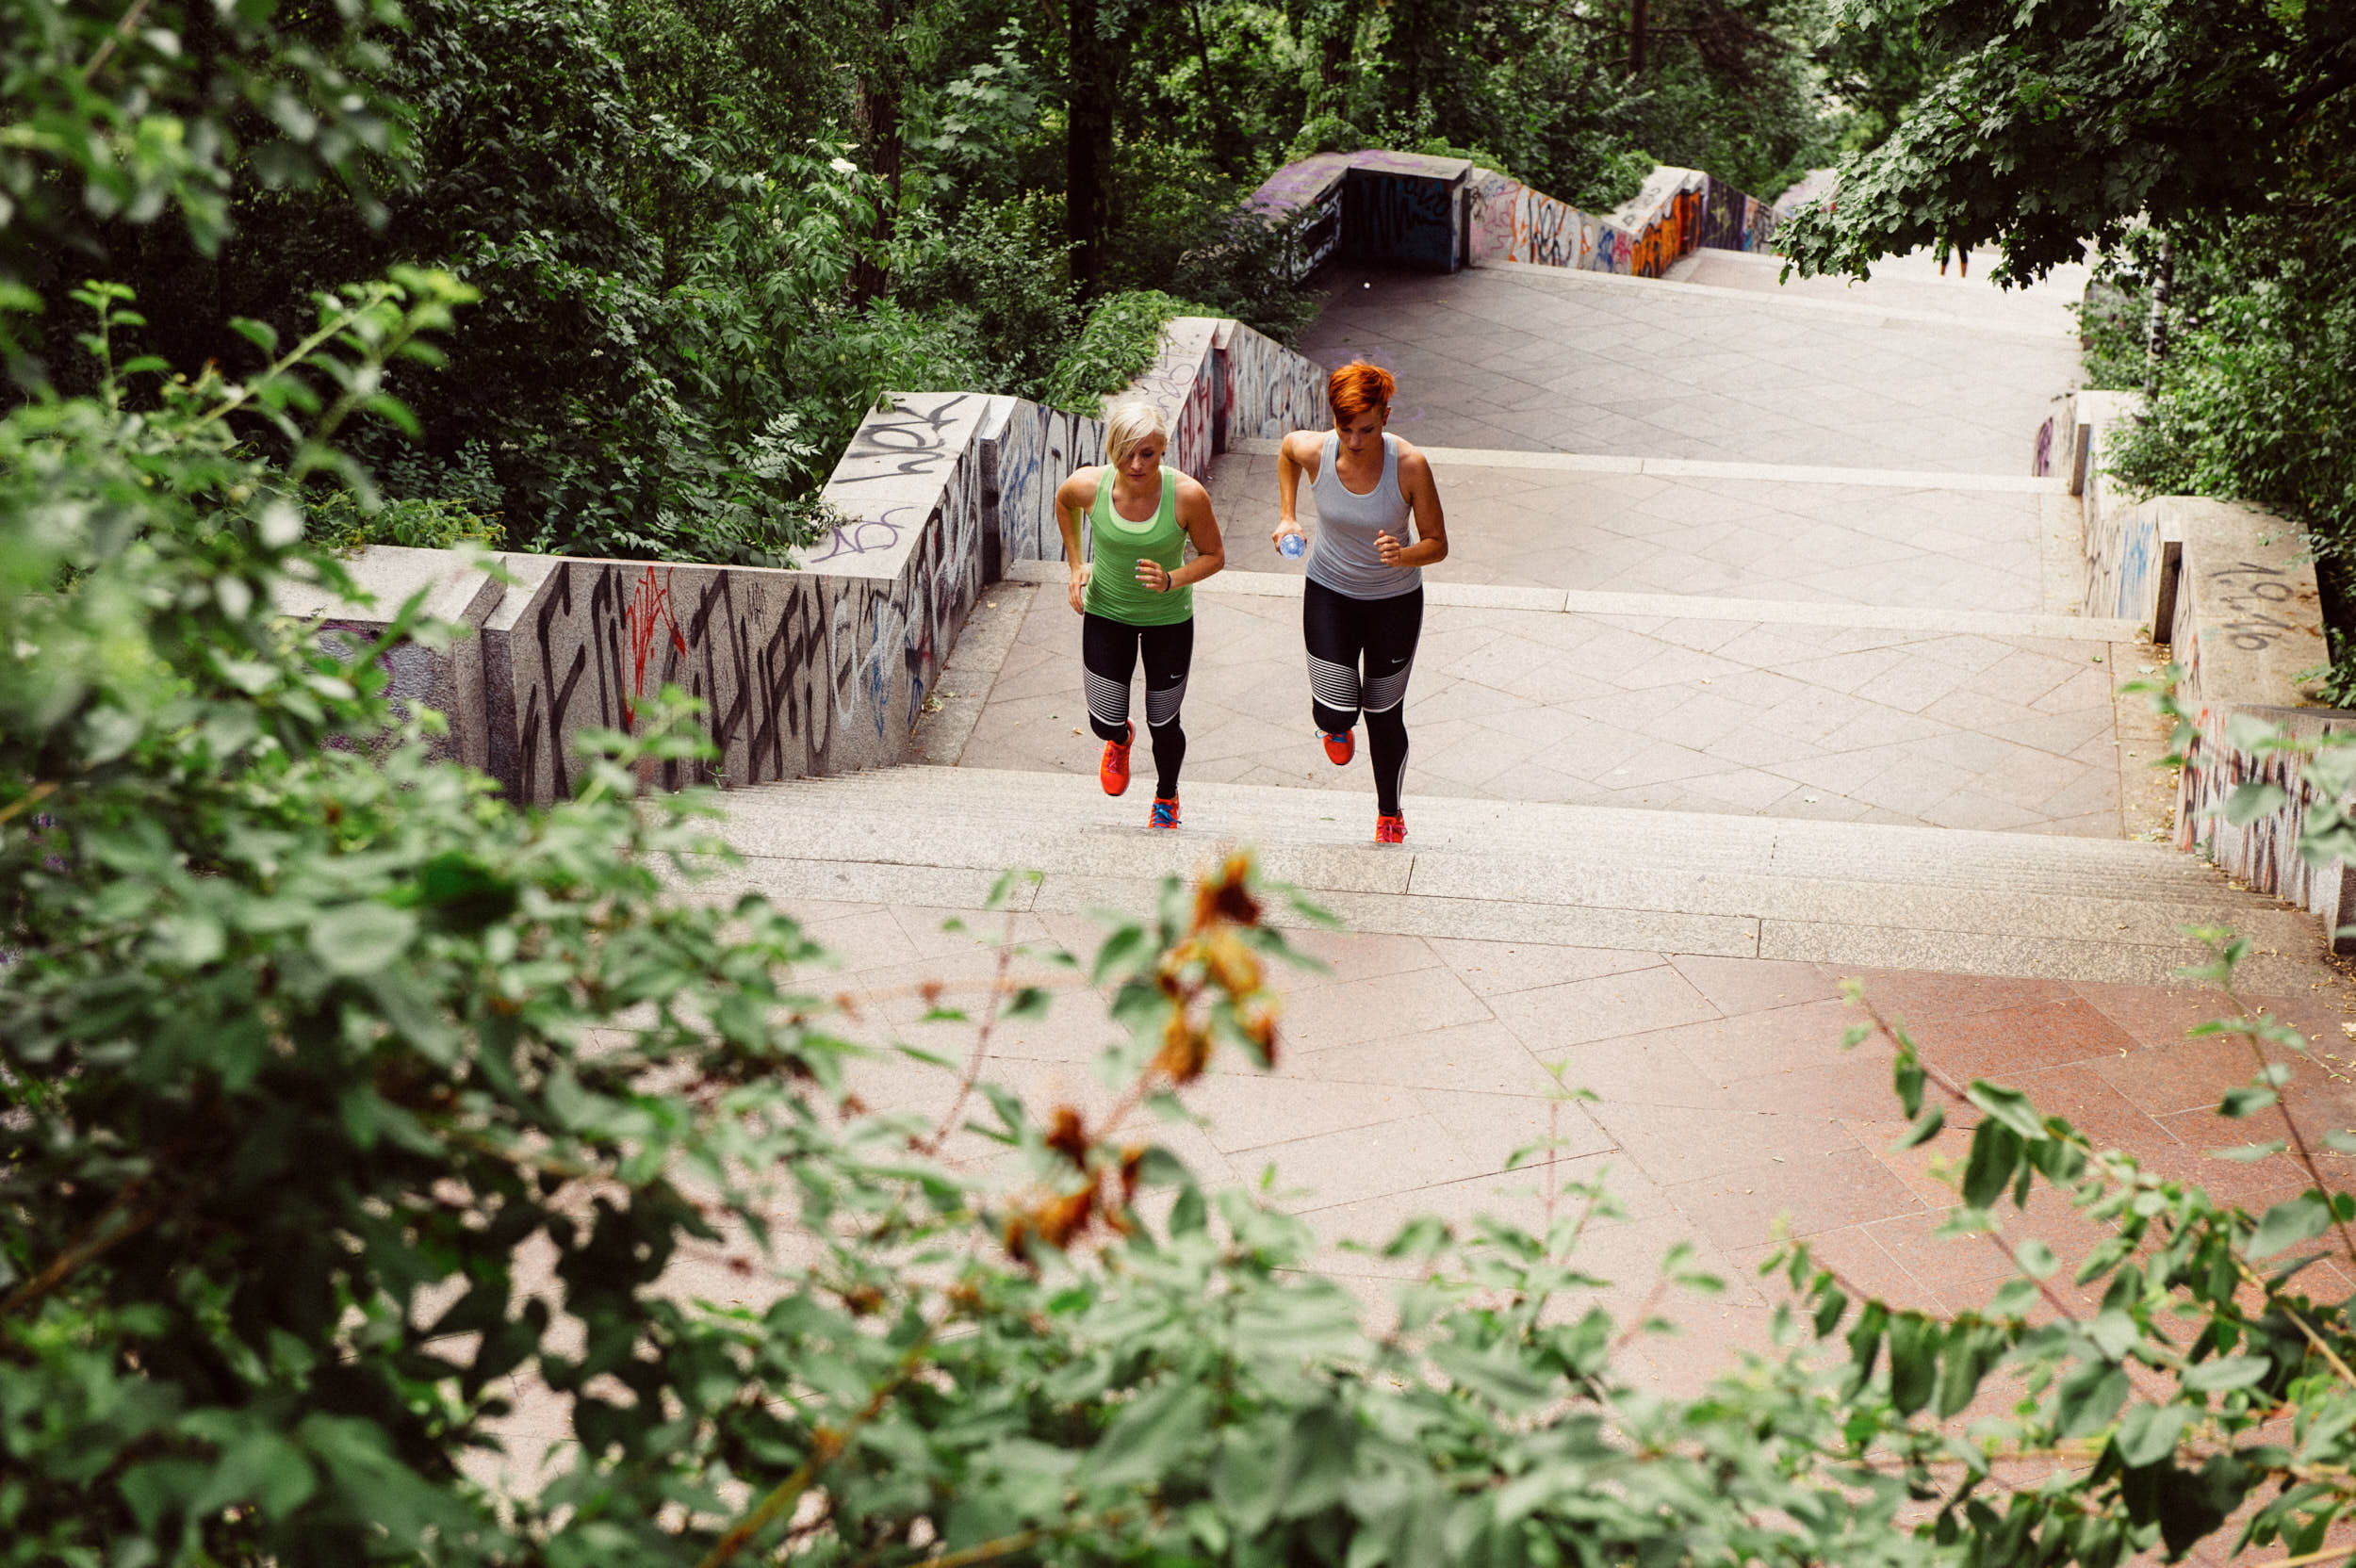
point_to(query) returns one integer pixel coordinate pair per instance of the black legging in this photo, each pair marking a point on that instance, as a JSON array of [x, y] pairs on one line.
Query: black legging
[[1109, 654], [1361, 652]]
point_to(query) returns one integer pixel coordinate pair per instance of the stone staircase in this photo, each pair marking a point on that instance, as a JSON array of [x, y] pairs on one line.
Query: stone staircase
[[1756, 666], [1835, 558]]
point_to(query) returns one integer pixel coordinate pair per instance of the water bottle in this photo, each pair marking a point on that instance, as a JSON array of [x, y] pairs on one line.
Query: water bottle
[[1293, 544]]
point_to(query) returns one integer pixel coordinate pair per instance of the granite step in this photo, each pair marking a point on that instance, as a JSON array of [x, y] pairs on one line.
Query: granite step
[[1600, 877]]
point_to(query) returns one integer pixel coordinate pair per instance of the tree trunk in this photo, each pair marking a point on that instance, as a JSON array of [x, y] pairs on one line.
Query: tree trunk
[[1639, 19], [878, 110], [1225, 143], [1088, 145], [2155, 332]]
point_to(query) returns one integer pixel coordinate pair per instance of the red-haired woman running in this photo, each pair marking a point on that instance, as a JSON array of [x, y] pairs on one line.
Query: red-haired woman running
[[1361, 610]]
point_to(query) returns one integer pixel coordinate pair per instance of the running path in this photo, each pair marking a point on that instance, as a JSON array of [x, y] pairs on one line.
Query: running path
[[1769, 550]]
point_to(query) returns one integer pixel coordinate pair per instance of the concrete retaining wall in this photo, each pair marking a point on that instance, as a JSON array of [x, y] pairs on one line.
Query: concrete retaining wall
[[2244, 619], [2231, 591], [1376, 207], [819, 670]]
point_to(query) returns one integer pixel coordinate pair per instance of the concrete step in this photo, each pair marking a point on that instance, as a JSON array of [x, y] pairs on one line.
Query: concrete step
[[1599, 876]]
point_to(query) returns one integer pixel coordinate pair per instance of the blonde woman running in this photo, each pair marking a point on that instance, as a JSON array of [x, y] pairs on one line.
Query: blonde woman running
[[1137, 595], [1362, 608]]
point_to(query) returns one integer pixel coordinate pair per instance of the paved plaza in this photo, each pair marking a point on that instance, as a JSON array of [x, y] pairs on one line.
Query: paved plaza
[[1760, 562], [1413, 1068]]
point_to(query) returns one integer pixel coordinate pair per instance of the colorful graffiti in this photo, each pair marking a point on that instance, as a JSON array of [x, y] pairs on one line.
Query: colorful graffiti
[[2262, 852], [1677, 211], [826, 668]]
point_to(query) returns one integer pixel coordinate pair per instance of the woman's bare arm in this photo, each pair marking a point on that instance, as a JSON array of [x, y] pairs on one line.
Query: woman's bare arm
[[1423, 500], [1297, 454], [1073, 497]]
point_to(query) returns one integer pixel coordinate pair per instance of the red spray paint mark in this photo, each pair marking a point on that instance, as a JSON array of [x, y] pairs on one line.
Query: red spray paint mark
[[647, 614]]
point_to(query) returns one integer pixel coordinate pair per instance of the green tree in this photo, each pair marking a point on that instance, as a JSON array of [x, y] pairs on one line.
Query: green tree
[[2063, 122]]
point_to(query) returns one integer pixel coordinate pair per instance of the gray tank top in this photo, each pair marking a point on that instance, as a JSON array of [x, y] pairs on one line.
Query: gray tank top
[[1341, 554]]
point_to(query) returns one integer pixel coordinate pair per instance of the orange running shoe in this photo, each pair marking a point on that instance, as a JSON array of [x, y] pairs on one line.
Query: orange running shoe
[[1341, 745], [1390, 830], [1165, 812], [1113, 772]]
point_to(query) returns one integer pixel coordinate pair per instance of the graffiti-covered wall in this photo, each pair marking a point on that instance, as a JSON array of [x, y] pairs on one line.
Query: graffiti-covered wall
[[810, 671], [2246, 624], [1439, 214]]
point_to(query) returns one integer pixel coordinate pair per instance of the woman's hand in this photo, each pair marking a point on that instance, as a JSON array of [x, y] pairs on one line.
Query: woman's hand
[[1388, 548], [1078, 591], [1152, 577], [1283, 526]]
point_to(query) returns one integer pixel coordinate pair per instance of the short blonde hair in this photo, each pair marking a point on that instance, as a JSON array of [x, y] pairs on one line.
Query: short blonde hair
[[1130, 422]]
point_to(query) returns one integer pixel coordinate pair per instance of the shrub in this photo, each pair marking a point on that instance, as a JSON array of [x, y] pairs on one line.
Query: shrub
[[1122, 335]]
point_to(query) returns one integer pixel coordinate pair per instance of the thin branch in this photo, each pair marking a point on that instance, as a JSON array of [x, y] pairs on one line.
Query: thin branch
[[2306, 1328], [825, 1445], [30, 799], [123, 30], [2053, 1297], [2290, 1122], [2324, 1555], [981, 1045], [94, 1242], [1021, 1540]]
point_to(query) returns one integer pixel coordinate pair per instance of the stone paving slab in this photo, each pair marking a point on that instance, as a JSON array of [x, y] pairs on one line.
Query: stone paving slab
[[1803, 542], [1413, 1070], [1910, 284], [1861, 725], [1499, 358]]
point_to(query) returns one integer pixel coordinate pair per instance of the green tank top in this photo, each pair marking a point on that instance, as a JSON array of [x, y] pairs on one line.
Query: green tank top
[[1118, 544]]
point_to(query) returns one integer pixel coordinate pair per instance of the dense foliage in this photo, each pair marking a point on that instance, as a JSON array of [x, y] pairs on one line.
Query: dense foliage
[[707, 236]]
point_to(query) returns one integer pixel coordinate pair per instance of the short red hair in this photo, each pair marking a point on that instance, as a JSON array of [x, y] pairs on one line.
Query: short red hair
[[1358, 388]]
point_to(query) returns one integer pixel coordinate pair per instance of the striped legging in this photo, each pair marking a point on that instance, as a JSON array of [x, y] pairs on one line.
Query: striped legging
[[1361, 652]]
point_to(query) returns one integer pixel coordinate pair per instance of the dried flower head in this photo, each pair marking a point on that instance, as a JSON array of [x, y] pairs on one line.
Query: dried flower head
[[1068, 1135], [1225, 896]]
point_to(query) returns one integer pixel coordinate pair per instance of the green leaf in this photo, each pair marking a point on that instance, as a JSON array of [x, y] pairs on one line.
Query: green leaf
[[2250, 801], [2246, 1100], [2227, 1372], [1995, 1155], [2287, 1224], [2009, 1107], [1152, 1433], [1121, 953], [1907, 1076], [357, 938], [1926, 1127], [2150, 1433], [1914, 1341], [2089, 1398], [1497, 1374], [1972, 1348], [2035, 1259]]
